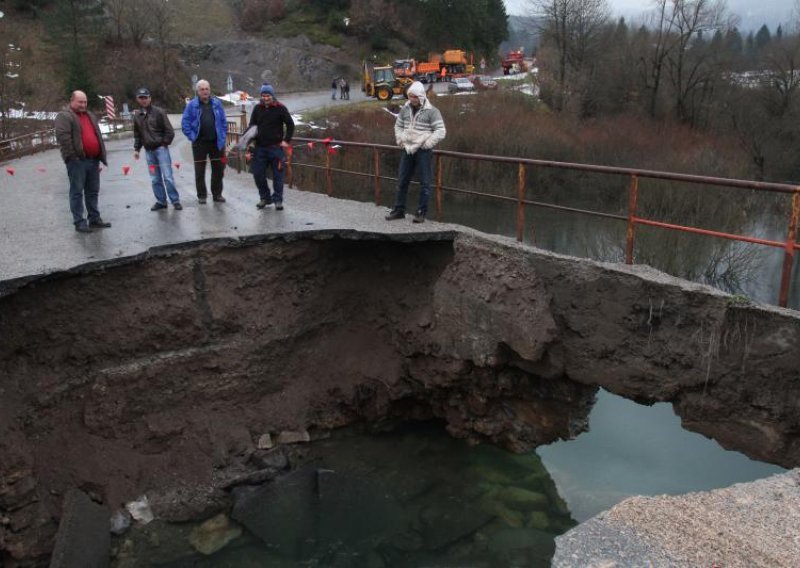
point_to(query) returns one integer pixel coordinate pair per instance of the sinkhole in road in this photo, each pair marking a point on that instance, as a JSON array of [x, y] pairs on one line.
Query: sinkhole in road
[[171, 375]]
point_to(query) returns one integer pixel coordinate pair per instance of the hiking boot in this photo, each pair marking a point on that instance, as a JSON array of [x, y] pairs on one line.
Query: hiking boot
[[99, 224], [219, 199], [157, 206], [395, 214], [82, 227], [263, 203], [202, 200], [419, 217], [279, 206], [177, 205]]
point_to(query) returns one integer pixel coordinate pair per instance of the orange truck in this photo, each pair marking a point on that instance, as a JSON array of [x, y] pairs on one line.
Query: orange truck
[[439, 67], [458, 63], [514, 62]]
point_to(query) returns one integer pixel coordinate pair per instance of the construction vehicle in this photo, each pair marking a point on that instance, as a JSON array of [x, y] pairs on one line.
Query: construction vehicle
[[514, 62], [381, 82], [457, 64], [405, 68], [454, 63]]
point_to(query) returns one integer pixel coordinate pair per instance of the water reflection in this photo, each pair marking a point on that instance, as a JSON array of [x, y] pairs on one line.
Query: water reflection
[[632, 449]]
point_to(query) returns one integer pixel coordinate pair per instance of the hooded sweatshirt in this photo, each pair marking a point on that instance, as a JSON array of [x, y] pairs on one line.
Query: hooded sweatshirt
[[421, 129]]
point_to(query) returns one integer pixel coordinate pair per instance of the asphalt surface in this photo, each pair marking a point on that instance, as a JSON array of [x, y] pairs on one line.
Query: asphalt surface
[[37, 236]]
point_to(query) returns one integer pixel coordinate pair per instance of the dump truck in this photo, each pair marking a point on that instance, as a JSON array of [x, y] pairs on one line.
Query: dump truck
[[454, 62], [405, 68], [514, 62], [381, 82]]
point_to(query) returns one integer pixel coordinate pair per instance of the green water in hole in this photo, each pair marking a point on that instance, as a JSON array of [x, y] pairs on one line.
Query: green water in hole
[[419, 498]]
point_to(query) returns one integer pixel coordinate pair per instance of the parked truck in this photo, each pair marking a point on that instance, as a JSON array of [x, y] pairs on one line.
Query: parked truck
[[458, 63], [453, 63], [381, 82], [514, 62]]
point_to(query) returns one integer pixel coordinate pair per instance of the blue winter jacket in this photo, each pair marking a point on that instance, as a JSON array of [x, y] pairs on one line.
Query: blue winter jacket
[[190, 123]]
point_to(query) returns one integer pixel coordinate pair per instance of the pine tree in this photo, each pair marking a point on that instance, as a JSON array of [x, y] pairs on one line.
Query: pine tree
[[763, 37], [75, 28]]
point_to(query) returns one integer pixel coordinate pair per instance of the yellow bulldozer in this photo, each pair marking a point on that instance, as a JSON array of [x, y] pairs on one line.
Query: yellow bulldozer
[[382, 83]]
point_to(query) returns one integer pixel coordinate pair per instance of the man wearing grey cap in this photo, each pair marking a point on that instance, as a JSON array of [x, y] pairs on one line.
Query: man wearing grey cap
[[152, 129]]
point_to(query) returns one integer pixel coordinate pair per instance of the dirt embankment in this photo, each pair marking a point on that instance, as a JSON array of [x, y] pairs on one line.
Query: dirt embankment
[[160, 376]]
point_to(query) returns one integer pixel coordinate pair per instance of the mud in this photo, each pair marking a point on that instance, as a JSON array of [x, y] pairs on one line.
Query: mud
[[160, 375]]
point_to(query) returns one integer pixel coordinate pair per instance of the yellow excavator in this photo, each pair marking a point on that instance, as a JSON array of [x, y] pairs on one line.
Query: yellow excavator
[[381, 82]]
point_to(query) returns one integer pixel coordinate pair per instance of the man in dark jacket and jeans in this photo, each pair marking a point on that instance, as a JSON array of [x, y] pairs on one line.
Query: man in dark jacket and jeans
[[152, 129], [205, 125], [270, 117], [82, 149]]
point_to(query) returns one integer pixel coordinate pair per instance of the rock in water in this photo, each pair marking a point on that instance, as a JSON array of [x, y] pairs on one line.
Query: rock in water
[[214, 534]]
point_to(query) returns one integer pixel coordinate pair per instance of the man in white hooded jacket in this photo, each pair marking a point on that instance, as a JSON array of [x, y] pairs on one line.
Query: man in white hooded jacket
[[418, 128]]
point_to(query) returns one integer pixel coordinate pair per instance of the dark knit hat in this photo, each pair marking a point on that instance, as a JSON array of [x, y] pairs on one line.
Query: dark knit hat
[[267, 88]]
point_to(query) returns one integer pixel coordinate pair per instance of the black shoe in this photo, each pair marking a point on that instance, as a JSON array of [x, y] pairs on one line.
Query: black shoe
[[279, 206], [201, 200], [99, 224], [158, 206], [262, 203], [82, 227], [419, 217], [177, 205], [395, 214], [219, 199]]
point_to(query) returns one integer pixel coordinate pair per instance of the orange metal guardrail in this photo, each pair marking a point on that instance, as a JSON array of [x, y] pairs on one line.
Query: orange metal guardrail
[[632, 219]]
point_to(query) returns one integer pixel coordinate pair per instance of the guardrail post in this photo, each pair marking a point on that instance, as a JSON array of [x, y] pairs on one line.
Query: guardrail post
[[630, 235], [520, 204], [376, 169], [328, 174], [788, 255], [289, 169], [439, 190]]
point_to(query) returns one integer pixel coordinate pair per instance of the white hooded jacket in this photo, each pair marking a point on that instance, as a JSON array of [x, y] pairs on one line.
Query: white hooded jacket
[[425, 129]]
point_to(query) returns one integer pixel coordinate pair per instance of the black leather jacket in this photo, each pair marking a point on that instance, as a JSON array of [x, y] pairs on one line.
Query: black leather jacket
[[151, 128]]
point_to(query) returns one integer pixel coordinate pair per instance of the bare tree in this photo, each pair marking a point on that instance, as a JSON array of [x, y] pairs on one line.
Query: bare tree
[[570, 30], [162, 26], [691, 65], [676, 52], [117, 13], [139, 19]]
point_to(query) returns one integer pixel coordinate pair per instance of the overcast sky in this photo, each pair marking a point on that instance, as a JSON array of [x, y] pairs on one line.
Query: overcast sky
[[752, 12]]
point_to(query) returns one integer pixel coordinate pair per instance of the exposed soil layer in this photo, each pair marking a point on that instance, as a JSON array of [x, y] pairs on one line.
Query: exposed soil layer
[[159, 376]]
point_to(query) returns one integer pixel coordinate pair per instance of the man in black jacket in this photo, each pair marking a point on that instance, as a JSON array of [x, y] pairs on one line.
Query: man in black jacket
[[152, 129], [270, 117]]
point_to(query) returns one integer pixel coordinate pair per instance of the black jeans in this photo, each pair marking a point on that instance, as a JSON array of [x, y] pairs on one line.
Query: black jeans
[[201, 151]]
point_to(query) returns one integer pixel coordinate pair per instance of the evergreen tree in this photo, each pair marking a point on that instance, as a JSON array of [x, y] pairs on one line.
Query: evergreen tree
[[763, 37], [750, 44], [74, 27], [734, 42]]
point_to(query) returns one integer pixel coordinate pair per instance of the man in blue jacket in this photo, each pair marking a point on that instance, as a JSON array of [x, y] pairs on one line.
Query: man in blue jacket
[[205, 125]]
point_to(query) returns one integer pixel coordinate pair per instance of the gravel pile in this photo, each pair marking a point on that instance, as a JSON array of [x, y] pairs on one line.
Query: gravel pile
[[748, 525]]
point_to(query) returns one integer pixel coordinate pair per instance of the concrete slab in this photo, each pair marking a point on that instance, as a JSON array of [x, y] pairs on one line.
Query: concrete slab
[[83, 538], [37, 236]]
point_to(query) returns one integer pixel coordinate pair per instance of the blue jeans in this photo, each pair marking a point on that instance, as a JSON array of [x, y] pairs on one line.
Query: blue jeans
[[159, 162], [84, 184], [274, 157], [422, 162]]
